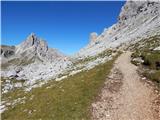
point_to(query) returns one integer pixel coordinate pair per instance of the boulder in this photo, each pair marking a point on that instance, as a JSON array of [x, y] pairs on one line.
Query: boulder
[[157, 48], [12, 73], [18, 85]]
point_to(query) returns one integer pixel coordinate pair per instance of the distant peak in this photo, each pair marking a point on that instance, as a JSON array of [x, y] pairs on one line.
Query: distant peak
[[32, 37], [32, 34]]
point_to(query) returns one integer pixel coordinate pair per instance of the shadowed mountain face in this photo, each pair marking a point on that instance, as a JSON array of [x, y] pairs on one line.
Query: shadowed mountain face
[[7, 51]]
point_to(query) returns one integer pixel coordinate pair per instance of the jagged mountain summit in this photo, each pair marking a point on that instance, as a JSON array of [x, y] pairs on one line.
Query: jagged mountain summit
[[32, 60], [37, 47], [32, 48], [137, 20]]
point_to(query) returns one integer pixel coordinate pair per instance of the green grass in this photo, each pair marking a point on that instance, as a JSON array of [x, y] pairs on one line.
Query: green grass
[[154, 76], [151, 58], [146, 44], [69, 99]]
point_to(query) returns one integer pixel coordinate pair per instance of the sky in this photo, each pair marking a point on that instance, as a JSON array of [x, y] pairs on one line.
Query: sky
[[64, 25]]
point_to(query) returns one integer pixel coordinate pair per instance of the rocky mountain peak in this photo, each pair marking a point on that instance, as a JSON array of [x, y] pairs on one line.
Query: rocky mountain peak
[[32, 60], [32, 38], [133, 9], [32, 42], [37, 48]]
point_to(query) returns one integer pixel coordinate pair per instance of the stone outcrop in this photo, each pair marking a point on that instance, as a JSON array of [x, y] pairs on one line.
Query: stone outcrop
[[37, 47], [132, 9], [33, 60], [7, 51], [137, 20], [93, 37]]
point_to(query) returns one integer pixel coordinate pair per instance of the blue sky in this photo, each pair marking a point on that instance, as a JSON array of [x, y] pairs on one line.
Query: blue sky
[[64, 25]]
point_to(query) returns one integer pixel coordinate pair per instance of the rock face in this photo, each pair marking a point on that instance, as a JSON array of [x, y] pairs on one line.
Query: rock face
[[36, 47], [7, 51], [34, 42], [33, 60], [137, 20], [158, 48], [132, 9]]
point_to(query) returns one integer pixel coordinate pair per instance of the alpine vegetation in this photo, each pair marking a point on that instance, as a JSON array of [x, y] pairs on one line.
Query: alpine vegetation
[[114, 77]]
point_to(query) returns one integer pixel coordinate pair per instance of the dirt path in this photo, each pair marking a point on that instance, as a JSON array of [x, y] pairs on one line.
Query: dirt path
[[124, 96]]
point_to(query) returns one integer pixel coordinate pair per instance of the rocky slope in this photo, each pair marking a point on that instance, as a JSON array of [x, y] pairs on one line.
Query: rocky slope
[[32, 60], [32, 63], [137, 20], [6, 52]]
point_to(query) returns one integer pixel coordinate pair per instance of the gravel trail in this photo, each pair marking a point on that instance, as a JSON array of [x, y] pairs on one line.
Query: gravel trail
[[125, 96]]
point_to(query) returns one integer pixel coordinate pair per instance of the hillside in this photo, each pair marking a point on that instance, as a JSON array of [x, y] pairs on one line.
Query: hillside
[[67, 99], [115, 76], [137, 20]]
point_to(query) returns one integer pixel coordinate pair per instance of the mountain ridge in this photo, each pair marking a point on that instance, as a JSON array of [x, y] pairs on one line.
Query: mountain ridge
[[36, 62], [137, 20]]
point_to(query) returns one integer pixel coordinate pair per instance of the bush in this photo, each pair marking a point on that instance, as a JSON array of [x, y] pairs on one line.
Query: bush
[[152, 60], [154, 76]]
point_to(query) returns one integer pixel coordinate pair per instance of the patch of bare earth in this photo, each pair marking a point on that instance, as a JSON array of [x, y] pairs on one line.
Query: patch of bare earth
[[125, 96]]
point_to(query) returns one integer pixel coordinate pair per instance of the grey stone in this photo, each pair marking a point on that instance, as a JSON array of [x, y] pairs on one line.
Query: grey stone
[[12, 73]]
